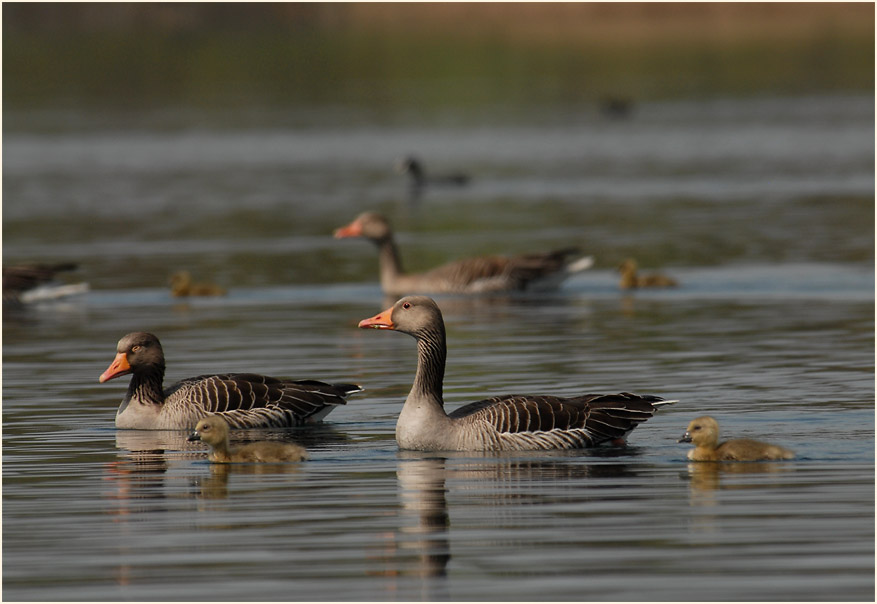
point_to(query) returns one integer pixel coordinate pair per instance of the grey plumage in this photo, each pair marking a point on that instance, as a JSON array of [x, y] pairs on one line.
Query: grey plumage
[[244, 400], [483, 274], [509, 422]]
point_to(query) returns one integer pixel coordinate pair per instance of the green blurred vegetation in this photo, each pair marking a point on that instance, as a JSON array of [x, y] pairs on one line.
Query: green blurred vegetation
[[135, 57]]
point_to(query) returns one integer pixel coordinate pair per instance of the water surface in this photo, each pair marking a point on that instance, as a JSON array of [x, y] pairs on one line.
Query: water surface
[[762, 209]]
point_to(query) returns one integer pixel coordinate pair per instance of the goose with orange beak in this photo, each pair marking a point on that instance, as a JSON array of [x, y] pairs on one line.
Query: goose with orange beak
[[500, 423], [243, 400]]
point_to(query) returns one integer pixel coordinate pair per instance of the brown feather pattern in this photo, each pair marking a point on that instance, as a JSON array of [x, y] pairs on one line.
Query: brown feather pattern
[[509, 422], [244, 400]]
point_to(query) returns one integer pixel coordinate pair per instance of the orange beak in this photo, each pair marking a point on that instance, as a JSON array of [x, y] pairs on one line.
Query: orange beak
[[118, 367], [354, 229], [381, 321]]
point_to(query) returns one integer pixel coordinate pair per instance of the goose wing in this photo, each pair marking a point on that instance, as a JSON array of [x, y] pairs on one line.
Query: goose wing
[[251, 400], [501, 273], [586, 420]]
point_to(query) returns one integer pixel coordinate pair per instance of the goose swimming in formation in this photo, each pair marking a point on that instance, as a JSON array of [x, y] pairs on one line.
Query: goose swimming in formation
[[482, 274], [703, 432], [501, 423], [630, 279], [244, 400], [213, 431]]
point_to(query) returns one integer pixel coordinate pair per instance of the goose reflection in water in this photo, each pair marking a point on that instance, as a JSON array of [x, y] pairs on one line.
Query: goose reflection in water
[[426, 519]]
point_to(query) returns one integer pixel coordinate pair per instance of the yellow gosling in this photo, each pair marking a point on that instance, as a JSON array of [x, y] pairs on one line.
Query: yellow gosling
[[213, 431], [703, 433], [630, 279]]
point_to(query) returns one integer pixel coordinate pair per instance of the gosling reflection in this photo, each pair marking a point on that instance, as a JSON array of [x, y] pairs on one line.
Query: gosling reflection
[[708, 478]]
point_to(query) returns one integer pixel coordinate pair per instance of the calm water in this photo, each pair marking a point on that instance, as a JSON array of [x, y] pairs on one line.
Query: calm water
[[762, 209]]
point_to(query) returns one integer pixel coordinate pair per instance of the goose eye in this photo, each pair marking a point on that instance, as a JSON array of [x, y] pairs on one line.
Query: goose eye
[[406, 305], [136, 348]]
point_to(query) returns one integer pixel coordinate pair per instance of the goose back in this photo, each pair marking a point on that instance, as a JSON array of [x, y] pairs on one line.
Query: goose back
[[518, 421]]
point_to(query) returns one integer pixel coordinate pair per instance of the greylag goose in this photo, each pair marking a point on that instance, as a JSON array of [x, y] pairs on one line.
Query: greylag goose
[[213, 431], [183, 286], [483, 274], [24, 283], [244, 400], [631, 280], [419, 179], [500, 423], [703, 433]]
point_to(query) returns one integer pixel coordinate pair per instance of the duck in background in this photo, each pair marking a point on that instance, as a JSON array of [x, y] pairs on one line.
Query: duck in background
[[703, 433], [183, 286], [630, 279], [478, 275], [418, 179], [213, 432]]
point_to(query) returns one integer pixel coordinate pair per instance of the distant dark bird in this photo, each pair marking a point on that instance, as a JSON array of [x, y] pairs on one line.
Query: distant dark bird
[[213, 432], [615, 107], [703, 432], [479, 275], [630, 279], [419, 179], [23, 283], [182, 286]]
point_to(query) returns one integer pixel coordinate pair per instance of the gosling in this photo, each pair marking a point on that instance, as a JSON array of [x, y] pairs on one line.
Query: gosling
[[182, 286], [703, 432], [213, 431], [630, 279]]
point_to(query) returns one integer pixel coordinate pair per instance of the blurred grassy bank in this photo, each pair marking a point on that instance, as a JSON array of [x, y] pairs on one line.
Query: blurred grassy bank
[[390, 59]]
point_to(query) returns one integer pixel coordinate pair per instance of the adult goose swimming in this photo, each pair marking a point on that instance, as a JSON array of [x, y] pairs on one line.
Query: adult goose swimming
[[482, 274], [500, 423], [244, 400]]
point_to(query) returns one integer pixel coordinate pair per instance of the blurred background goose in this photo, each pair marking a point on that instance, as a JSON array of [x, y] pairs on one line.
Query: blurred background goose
[[32, 282], [500, 423], [213, 431], [244, 400], [482, 274], [703, 432]]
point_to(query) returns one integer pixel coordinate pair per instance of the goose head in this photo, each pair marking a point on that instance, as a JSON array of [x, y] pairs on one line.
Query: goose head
[[136, 352], [370, 225], [418, 316]]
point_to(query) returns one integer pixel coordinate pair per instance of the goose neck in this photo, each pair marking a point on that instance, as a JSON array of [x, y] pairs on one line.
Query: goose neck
[[431, 356], [146, 387], [389, 259]]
